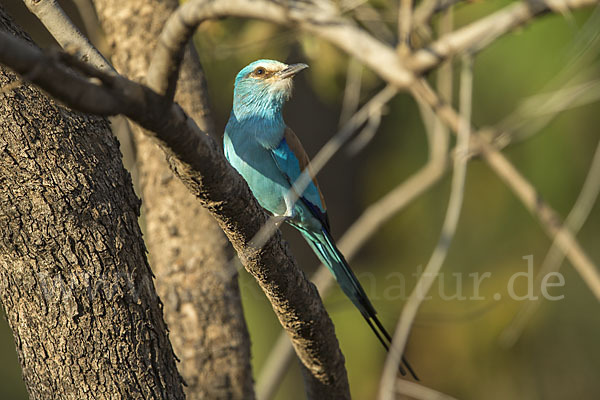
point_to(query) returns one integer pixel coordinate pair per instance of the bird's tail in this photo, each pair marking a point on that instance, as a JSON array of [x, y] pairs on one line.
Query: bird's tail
[[324, 246]]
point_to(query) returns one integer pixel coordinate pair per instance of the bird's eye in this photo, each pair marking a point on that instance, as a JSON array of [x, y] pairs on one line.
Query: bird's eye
[[259, 71]]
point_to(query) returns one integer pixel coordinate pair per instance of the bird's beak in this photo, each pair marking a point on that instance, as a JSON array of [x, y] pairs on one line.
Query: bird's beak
[[291, 70]]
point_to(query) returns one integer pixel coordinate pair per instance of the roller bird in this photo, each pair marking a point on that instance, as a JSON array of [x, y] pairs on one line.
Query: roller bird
[[268, 155]]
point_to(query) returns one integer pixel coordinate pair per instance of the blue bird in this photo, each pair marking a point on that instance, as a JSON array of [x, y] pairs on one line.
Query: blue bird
[[269, 156]]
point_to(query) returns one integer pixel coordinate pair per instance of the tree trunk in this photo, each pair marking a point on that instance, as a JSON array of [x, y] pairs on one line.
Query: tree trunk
[[74, 281], [189, 252]]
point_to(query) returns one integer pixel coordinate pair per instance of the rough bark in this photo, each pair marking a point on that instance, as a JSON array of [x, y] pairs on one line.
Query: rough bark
[[74, 281], [188, 250]]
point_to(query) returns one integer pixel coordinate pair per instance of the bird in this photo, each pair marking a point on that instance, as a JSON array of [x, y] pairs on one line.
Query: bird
[[269, 156]]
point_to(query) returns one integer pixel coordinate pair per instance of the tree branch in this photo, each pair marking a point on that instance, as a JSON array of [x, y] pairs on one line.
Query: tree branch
[[325, 21], [66, 33], [405, 20], [438, 257], [547, 217], [197, 160], [484, 31], [555, 256]]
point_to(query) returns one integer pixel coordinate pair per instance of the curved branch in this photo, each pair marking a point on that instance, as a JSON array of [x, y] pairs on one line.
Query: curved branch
[[484, 31], [342, 32], [554, 258], [430, 274], [523, 189], [313, 18]]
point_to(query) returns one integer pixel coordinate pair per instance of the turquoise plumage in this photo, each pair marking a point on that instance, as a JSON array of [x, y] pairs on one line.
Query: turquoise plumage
[[269, 156]]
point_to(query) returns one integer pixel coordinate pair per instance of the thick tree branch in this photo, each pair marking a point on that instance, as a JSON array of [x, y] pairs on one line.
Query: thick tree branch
[[198, 161]]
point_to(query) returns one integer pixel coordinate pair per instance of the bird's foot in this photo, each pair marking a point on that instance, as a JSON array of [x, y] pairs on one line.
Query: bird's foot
[[280, 219]]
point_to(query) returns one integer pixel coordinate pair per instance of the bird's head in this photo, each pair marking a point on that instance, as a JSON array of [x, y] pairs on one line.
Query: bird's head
[[262, 87]]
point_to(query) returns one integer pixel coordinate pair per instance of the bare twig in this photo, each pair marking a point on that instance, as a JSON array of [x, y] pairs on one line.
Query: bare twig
[[547, 217], [555, 256], [366, 134], [404, 27], [324, 21], [484, 31], [417, 391], [427, 8], [66, 33], [437, 131], [576, 86], [538, 111], [432, 269], [92, 25], [351, 91], [374, 22]]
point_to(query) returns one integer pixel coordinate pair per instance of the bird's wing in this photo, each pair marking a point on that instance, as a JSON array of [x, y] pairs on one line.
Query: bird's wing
[[291, 159]]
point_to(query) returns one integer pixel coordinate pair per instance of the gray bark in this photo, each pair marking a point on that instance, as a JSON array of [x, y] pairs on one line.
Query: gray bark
[[74, 281]]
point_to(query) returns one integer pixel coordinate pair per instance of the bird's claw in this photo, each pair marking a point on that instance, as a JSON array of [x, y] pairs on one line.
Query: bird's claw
[[280, 219]]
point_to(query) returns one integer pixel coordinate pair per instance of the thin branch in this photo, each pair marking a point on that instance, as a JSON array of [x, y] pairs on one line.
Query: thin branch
[[555, 256], [367, 133], [484, 31], [547, 217], [369, 223], [66, 33], [437, 131], [436, 261], [92, 25], [427, 8], [404, 27], [372, 20], [322, 21], [351, 91], [417, 391], [539, 110]]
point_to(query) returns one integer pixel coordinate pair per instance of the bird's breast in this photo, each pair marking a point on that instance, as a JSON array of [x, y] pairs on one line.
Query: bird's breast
[[255, 164]]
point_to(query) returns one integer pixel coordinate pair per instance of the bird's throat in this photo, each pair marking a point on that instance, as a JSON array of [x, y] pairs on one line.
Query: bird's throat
[[267, 129]]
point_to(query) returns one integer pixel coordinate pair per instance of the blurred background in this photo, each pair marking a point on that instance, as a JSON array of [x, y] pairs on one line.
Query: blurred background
[[458, 345]]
